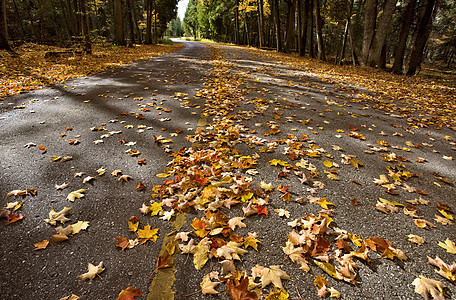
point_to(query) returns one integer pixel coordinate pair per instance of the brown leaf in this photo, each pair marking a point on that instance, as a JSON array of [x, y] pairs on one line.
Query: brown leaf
[[41, 245], [239, 290]]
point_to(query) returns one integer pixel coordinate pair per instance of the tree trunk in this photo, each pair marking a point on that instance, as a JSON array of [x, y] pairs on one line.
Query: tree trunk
[[289, 25], [370, 15], [149, 22], [3, 27], [130, 22], [422, 35], [403, 35], [340, 59], [16, 10], [85, 28], [119, 37], [380, 34], [305, 23], [135, 19], [311, 33], [77, 14], [260, 23], [299, 21], [246, 28], [275, 8], [71, 19], [154, 2], [319, 25], [236, 23]]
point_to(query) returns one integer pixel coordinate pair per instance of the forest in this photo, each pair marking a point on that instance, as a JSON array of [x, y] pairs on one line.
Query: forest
[[398, 34], [83, 22], [394, 34]]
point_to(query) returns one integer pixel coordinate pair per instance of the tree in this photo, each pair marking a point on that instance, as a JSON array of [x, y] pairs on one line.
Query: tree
[[319, 29], [403, 35], [378, 43], [87, 48], [276, 14], [119, 37], [3, 27], [370, 14], [421, 38]]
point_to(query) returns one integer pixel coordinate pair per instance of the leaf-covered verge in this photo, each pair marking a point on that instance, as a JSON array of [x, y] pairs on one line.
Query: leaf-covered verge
[[30, 70], [423, 101]]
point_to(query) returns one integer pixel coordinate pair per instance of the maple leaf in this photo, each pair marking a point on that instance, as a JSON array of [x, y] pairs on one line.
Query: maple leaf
[[62, 186], [133, 223], [282, 212], [14, 218], [41, 245], [125, 178], [236, 221], [101, 171], [17, 193], [296, 254], [238, 290], [421, 223], [251, 241], [267, 187], [80, 225], [147, 234], [278, 294], [76, 195], [273, 275], [71, 297], [116, 173], [88, 179], [92, 271], [449, 246], [155, 208], [231, 251], [227, 267], [208, 286], [416, 239], [425, 286], [200, 256], [122, 243], [129, 294], [447, 271], [55, 217], [276, 162]]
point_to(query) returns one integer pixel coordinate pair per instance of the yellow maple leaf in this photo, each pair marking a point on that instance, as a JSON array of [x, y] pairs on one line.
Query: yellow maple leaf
[[147, 234]]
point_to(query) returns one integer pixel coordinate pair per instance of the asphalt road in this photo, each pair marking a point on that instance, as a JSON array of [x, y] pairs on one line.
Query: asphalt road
[[155, 97]]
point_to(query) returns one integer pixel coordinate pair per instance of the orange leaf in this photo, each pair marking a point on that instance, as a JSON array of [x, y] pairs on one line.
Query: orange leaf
[[129, 294]]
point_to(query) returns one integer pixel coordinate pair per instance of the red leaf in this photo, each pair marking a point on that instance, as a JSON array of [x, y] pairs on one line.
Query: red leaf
[[262, 210], [14, 218]]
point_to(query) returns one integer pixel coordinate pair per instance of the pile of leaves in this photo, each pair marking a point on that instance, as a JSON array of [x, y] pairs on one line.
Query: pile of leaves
[[422, 101], [30, 70]]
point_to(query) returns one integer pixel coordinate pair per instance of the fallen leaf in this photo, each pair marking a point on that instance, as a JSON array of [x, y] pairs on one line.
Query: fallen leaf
[[55, 217], [92, 271], [238, 290], [80, 225], [425, 286], [125, 178], [416, 239], [41, 245], [147, 234], [449, 246], [71, 297], [76, 195], [129, 294], [447, 271], [273, 275], [208, 286]]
